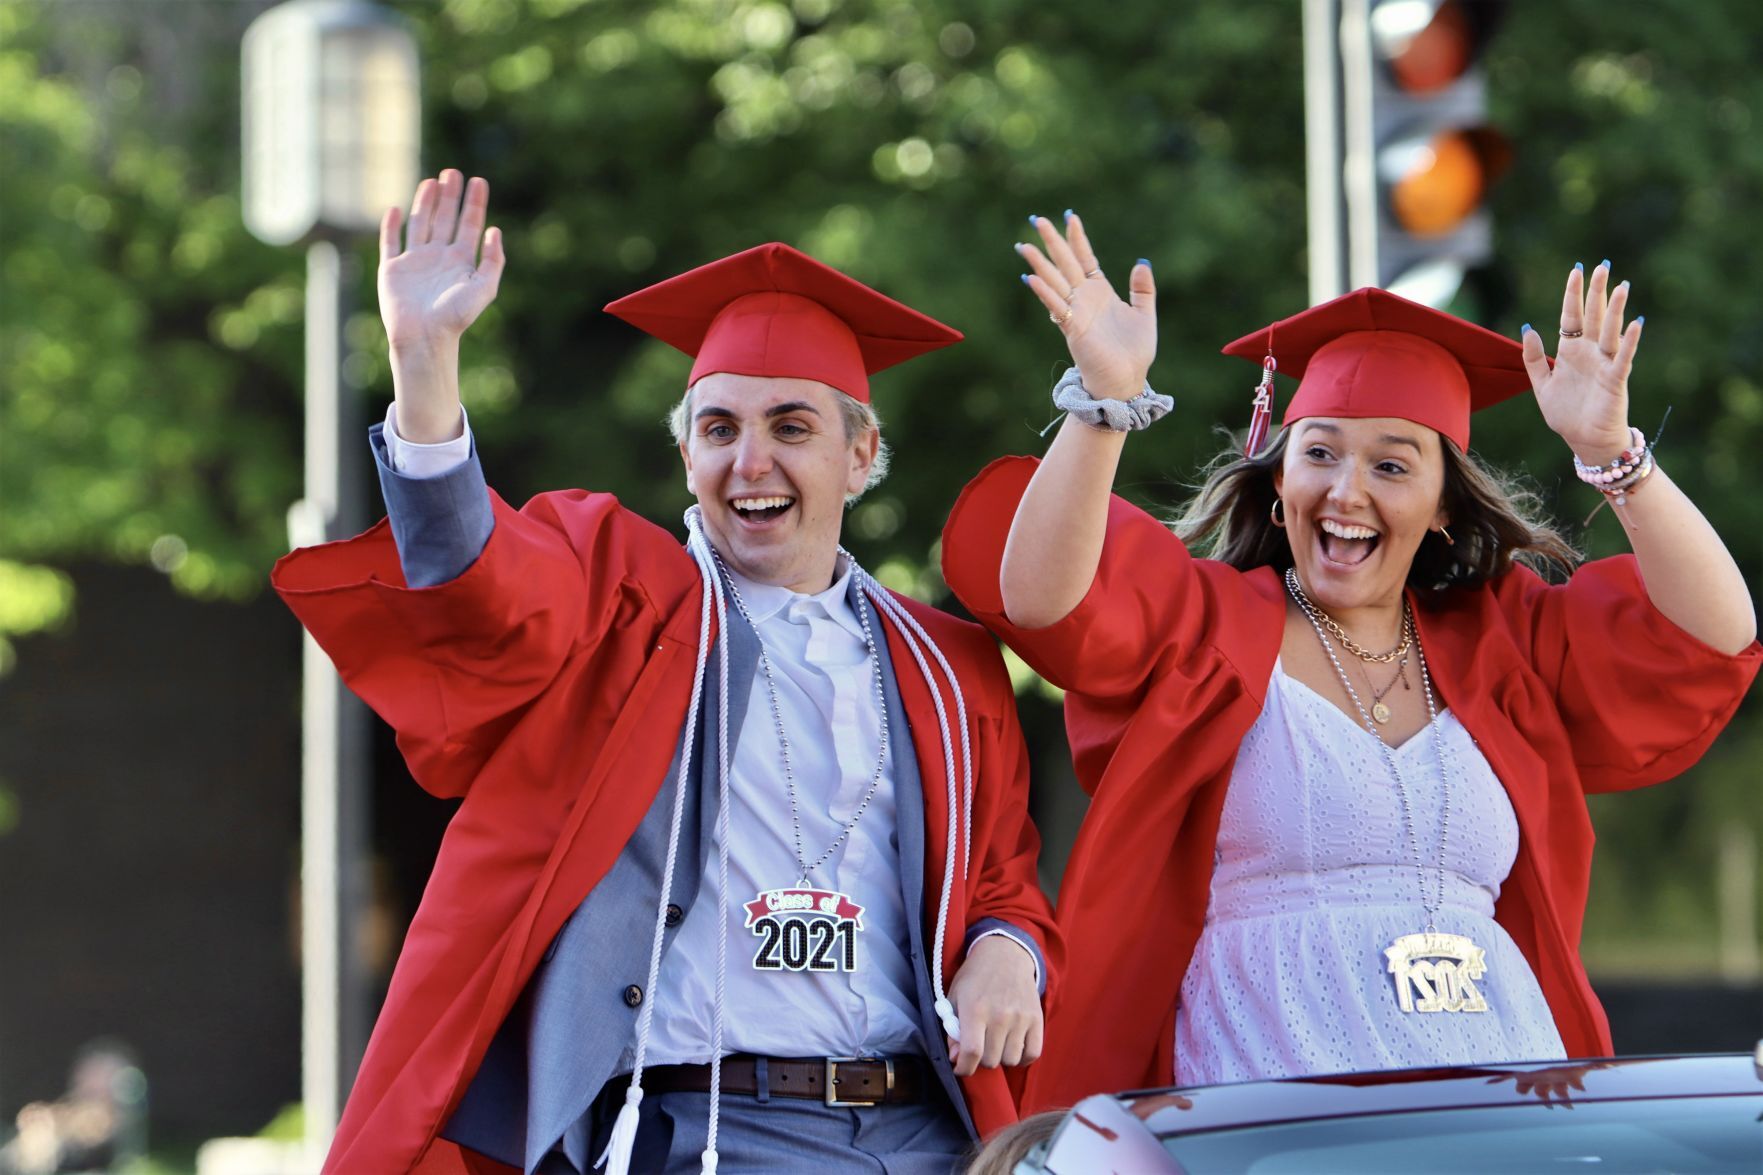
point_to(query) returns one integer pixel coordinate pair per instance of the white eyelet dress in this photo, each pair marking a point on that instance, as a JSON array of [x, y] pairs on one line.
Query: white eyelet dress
[[1315, 876]]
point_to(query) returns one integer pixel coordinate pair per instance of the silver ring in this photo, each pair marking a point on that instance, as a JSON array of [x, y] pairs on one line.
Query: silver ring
[[1071, 295], [1572, 334], [1059, 321], [1096, 272]]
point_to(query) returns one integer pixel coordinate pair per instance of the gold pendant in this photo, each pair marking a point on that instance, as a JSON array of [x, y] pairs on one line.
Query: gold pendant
[[1437, 972], [1380, 712]]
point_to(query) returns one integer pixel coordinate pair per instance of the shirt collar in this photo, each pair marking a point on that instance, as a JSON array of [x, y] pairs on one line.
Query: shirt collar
[[766, 600]]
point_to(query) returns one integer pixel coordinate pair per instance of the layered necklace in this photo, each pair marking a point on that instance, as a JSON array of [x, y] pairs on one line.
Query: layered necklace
[[1321, 621], [805, 927], [1433, 971]]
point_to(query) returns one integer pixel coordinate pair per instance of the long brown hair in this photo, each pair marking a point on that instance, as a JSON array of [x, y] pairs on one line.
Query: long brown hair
[[1494, 521]]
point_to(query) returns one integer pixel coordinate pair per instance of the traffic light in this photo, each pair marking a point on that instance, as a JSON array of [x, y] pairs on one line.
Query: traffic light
[[1434, 156], [1398, 152]]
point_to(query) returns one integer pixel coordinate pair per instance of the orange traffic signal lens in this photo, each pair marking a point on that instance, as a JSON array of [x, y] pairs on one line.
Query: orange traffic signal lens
[[1441, 185]]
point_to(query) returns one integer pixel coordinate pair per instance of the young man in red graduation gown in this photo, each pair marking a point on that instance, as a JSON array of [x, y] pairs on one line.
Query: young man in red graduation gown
[[732, 817]]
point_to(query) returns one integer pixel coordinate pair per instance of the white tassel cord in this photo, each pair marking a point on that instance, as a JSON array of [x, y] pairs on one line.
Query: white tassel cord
[[707, 566], [616, 1158], [910, 630]]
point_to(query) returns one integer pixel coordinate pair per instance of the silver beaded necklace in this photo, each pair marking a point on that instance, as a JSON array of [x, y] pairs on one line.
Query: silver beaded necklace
[[783, 739], [1441, 968]]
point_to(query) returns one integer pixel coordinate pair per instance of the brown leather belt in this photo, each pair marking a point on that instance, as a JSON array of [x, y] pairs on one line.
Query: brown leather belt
[[837, 1081]]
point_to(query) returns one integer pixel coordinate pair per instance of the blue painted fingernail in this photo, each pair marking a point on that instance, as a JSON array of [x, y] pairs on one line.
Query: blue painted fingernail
[[1525, 329], [1032, 218], [1025, 279], [1577, 265], [1144, 263], [1623, 286], [1641, 320], [1068, 215], [1605, 263]]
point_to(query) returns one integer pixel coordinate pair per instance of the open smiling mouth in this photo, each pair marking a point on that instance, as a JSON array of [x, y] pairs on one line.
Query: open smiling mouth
[[761, 509], [1345, 544]]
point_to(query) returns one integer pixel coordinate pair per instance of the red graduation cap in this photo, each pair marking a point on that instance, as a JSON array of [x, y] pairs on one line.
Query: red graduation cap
[[772, 310], [1374, 353]]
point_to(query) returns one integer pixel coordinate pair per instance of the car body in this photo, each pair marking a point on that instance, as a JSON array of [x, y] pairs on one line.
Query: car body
[[1638, 1114]]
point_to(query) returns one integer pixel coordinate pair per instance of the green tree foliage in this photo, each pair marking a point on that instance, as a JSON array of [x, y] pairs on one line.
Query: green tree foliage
[[151, 347], [149, 344]]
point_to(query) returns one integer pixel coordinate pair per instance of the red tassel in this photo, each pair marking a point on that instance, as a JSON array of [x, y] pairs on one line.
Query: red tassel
[[1261, 416]]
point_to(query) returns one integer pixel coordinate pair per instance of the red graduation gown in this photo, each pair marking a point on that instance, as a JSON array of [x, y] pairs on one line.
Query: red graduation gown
[[1582, 687], [546, 687]]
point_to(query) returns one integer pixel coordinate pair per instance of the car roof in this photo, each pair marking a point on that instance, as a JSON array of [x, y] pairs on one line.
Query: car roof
[[1176, 1111]]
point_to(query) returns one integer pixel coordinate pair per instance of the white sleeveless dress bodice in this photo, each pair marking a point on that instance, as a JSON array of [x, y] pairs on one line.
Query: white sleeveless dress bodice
[[1315, 876]]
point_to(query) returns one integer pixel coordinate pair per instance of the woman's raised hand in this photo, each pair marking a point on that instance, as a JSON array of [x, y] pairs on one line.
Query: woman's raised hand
[[1584, 397], [434, 286], [1112, 342]]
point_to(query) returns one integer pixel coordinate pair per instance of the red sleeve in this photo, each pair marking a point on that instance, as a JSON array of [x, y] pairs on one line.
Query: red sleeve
[[1641, 699], [1151, 603], [1152, 613], [452, 667], [1008, 885]]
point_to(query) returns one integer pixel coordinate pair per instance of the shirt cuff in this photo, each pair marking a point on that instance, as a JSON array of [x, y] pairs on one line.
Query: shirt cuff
[[423, 461], [987, 927]]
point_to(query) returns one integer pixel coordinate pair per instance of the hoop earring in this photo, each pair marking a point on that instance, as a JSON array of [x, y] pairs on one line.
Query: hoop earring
[[1449, 541], [1276, 514]]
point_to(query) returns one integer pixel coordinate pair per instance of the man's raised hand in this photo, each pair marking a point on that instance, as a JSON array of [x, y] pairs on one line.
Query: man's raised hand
[[432, 283]]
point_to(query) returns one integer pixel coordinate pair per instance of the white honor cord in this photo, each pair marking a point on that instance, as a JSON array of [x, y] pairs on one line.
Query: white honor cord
[[907, 627], [707, 567], [616, 1158], [896, 610]]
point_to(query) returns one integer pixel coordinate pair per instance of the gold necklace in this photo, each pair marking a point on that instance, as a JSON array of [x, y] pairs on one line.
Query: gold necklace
[[1317, 616], [1380, 711]]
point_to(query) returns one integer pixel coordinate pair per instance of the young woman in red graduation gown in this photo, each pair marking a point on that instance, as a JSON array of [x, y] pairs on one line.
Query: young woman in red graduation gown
[[1338, 767]]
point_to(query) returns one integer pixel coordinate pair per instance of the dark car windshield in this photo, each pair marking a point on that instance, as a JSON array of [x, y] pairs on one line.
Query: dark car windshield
[[1678, 1135]]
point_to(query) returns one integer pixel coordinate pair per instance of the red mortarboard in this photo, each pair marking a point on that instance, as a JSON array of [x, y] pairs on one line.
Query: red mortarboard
[[771, 310], [1374, 353]]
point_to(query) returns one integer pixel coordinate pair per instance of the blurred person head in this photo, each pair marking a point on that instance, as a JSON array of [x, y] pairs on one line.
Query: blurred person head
[[1001, 1152]]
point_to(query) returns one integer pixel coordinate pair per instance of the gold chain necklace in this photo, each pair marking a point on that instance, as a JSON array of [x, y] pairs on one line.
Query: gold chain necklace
[[1317, 616]]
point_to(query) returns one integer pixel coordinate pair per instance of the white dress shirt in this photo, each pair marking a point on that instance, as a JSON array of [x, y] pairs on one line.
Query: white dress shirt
[[827, 700]]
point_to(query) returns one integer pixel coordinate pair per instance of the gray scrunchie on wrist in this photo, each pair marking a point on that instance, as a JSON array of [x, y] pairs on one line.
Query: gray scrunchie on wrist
[[1114, 415]]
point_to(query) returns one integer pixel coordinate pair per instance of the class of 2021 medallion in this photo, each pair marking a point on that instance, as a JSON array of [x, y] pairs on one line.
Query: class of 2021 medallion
[[804, 929], [1437, 972]]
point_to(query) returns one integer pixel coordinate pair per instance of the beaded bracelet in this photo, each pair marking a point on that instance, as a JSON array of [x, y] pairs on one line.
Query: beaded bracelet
[[1624, 472]]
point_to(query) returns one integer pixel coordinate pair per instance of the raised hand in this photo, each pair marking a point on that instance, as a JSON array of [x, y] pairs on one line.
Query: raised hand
[[1584, 397], [433, 285], [1112, 342]]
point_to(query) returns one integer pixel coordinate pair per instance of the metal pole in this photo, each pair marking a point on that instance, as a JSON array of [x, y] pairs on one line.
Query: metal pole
[[334, 767], [1359, 154], [1322, 150]]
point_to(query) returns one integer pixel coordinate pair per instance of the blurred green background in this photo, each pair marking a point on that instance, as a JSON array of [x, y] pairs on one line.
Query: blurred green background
[[150, 349]]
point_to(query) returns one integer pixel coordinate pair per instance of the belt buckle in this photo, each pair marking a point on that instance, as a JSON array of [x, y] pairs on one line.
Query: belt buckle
[[829, 1089]]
